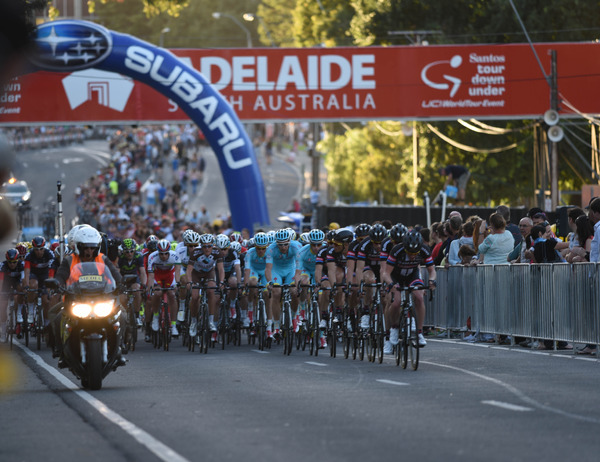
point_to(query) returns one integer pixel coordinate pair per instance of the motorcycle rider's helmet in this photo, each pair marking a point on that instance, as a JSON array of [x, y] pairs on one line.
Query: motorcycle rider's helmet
[[86, 237], [71, 234]]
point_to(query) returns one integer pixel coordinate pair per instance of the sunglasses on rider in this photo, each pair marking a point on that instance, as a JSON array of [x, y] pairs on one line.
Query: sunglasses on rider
[[163, 253]]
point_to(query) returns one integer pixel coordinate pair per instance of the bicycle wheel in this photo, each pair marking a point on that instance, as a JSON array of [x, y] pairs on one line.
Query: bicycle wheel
[[261, 325], [39, 326], [403, 344], [10, 326], [332, 338], [414, 341], [346, 335], [380, 337], [223, 327], [206, 333], [134, 330], [288, 332]]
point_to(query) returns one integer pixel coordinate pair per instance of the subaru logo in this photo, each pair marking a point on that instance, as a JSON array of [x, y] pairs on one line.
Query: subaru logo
[[71, 45]]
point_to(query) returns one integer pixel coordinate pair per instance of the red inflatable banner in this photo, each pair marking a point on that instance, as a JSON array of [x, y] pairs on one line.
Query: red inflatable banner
[[284, 84]]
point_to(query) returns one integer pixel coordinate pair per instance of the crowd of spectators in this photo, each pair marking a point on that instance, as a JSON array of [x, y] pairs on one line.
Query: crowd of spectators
[[148, 187]]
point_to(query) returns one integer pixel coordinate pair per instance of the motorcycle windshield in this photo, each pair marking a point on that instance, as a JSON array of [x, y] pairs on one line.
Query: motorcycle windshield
[[91, 278]]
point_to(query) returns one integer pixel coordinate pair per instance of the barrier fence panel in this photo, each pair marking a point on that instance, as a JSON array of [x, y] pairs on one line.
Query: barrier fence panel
[[542, 301]]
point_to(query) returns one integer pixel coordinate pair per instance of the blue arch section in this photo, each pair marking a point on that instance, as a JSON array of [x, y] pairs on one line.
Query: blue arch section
[[69, 45]]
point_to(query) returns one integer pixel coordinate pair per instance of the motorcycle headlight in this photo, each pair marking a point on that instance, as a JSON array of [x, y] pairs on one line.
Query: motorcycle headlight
[[82, 310], [103, 309], [97, 310]]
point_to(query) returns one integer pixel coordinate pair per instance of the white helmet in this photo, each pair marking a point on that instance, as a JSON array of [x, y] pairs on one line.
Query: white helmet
[[292, 234], [236, 246], [223, 241], [86, 236], [71, 235], [191, 237]]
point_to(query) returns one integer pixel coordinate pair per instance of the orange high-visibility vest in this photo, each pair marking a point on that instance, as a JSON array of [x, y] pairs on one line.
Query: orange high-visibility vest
[[74, 274]]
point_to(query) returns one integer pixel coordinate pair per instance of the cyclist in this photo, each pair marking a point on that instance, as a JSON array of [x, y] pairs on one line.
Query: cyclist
[[11, 275], [280, 269], [163, 271], [403, 269], [131, 262], [368, 260], [232, 268], [39, 266], [254, 271], [322, 279], [305, 269], [204, 265], [336, 264], [190, 241]]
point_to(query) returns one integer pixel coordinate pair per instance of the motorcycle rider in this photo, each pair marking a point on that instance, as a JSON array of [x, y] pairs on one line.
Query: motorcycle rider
[[86, 248]]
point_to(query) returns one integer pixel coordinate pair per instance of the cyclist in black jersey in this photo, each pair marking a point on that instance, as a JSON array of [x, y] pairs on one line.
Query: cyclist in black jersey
[[132, 262], [403, 270], [11, 275]]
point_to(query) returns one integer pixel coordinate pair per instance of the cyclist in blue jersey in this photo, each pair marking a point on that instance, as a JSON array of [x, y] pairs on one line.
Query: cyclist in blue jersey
[[254, 273], [280, 269], [305, 267]]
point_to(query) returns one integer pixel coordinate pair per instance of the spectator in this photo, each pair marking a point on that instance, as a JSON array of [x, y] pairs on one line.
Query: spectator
[[498, 244], [466, 254], [543, 249], [514, 229], [582, 241], [518, 253], [466, 238], [459, 176]]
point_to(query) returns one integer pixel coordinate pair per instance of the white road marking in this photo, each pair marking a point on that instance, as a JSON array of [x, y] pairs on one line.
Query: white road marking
[[391, 382], [508, 406], [312, 363], [518, 393], [261, 352], [159, 449]]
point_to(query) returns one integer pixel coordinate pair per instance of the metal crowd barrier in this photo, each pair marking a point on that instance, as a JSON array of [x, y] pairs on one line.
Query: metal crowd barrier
[[543, 301]]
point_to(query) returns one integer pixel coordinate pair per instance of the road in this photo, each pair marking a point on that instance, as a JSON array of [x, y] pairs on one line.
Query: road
[[465, 401]]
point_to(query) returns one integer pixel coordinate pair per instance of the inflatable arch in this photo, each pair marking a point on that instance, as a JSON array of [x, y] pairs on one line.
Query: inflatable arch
[[68, 45]]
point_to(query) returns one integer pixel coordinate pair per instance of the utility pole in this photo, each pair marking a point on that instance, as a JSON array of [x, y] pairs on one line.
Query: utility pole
[[553, 144]]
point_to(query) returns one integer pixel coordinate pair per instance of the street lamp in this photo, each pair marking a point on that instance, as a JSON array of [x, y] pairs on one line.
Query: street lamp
[[218, 14], [251, 17], [162, 36]]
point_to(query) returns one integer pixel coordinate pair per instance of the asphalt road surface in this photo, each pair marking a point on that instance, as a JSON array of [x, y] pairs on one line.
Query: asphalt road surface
[[465, 402]]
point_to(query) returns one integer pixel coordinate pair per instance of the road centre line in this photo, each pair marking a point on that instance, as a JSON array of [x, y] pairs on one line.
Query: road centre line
[[508, 406], [160, 450], [312, 363], [391, 382]]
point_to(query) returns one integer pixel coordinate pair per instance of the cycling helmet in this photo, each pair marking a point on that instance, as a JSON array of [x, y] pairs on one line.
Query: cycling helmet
[[362, 230], [186, 235], [151, 245], [316, 236], [12, 255], [207, 239], [397, 232], [282, 236], [22, 249], [248, 243], [413, 240], [292, 234], [191, 238], [54, 246], [261, 240], [236, 247], [343, 236], [151, 238], [330, 235], [236, 236], [378, 233], [334, 225], [305, 238], [271, 236], [223, 241], [38, 242], [86, 237], [163, 245], [128, 244]]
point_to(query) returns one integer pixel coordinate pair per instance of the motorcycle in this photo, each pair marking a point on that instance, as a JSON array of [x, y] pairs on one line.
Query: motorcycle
[[90, 325]]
